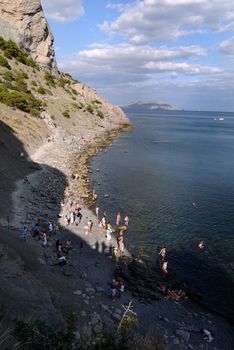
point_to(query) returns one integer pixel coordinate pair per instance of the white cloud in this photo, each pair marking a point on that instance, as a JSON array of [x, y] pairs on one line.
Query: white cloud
[[155, 20], [227, 46], [63, 10], [125, 63]]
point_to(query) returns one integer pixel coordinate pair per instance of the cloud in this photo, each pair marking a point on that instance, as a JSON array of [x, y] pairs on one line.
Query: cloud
[[63, 10], [227, 47], [125, 63], [144, 21]]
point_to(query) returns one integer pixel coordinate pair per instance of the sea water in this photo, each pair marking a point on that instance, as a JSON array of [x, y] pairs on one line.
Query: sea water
[[173, 175]]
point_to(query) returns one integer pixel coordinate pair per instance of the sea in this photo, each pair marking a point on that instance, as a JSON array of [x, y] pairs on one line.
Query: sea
[[173, 175]]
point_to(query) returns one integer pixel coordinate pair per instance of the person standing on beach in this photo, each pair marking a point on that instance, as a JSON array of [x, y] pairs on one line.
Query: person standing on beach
[[97, 212], [90, 225], [118, 218]]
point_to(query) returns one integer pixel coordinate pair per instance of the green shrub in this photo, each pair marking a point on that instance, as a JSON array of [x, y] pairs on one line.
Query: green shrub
[[89, 108], [97, 102], [50, 79], [11, 50], [66, 114], [75, 105], [62, 82], [4, 62], [74, 91], [34, 83], [100, 114], [21, 100], [38, 336], [41, 90], [8, 76]]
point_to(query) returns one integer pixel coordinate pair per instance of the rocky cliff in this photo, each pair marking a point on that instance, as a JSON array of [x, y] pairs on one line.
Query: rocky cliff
[[23, 22]]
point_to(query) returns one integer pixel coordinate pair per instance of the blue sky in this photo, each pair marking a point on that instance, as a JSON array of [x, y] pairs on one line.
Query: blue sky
[[174, 51]]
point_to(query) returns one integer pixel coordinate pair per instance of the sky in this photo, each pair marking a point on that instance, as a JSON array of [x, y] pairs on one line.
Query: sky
[[179, 52]]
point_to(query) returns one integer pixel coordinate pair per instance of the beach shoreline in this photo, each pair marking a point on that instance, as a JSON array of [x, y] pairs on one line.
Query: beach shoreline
[[56, 174]]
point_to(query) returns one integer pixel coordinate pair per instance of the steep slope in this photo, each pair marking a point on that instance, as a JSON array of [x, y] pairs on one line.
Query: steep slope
[[23, 22]]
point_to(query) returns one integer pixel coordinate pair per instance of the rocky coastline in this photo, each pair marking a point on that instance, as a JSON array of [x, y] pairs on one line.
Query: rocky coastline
[[85, 278]]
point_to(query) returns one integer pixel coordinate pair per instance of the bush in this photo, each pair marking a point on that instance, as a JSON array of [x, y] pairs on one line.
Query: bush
[[50, 79], [4, 62], [62, 82], [11, 50], [21, 100], [8, 76], [34, 83], [74, 91], [100, 114], [97, 102], [66, 114], [38, 336], [41, 90], [90, 109]]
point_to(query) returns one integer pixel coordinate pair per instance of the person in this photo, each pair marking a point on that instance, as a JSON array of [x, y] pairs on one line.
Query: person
[[164, 268], [36, 230], [116, 255], [86, 229], [81, 247], [97, 212], [44, 239], [118, 218], [126, 221], [24, 233], [113, 289], [201, 245], [90, 225], [108, 232], [194, 204], [162, 253], [95, 196]]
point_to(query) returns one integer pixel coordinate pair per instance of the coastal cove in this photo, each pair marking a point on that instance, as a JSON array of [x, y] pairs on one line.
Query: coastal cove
[[155, 173]]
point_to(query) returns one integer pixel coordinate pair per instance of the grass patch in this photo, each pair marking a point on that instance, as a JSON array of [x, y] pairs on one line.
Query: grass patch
[[66, 114], [100, 114], [4, 62]]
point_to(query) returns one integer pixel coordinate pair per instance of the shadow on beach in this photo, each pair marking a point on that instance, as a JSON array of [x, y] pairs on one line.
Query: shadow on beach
[[35, 286]]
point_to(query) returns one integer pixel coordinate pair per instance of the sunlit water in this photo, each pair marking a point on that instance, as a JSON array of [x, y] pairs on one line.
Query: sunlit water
[[154, 174]]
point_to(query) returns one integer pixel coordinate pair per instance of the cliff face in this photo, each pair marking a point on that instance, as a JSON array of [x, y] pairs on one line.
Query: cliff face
[[23, 21]]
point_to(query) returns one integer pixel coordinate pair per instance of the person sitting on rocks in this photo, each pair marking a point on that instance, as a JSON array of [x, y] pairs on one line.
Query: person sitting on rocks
[[68, 245], [36, 231], [44, 239], [24, 233]]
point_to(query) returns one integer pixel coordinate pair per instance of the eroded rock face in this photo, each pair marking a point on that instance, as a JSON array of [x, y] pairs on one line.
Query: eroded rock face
[[23, 21]]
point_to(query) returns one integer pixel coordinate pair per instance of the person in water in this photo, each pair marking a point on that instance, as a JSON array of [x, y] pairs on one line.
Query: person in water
[[118, 218], [162, 253], [164, 268], [201, 245]]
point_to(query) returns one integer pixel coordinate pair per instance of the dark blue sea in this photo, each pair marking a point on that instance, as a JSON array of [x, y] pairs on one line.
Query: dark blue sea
[[154, 174]]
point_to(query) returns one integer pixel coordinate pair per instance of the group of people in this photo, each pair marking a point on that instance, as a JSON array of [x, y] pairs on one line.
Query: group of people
[[42, 230]]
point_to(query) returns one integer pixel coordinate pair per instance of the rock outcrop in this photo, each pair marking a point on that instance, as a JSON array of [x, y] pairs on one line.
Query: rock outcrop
[[23, 21]]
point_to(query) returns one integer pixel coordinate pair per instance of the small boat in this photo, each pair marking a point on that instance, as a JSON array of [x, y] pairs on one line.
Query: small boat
[[221, 118]]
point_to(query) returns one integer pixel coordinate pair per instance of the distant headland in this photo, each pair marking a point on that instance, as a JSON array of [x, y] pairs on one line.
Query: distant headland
[[140, 106]]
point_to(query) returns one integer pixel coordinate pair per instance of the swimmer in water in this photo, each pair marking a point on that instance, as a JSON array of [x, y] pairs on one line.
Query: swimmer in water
[[201, 245], [164, 268], [194, 204], [162, 253]]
